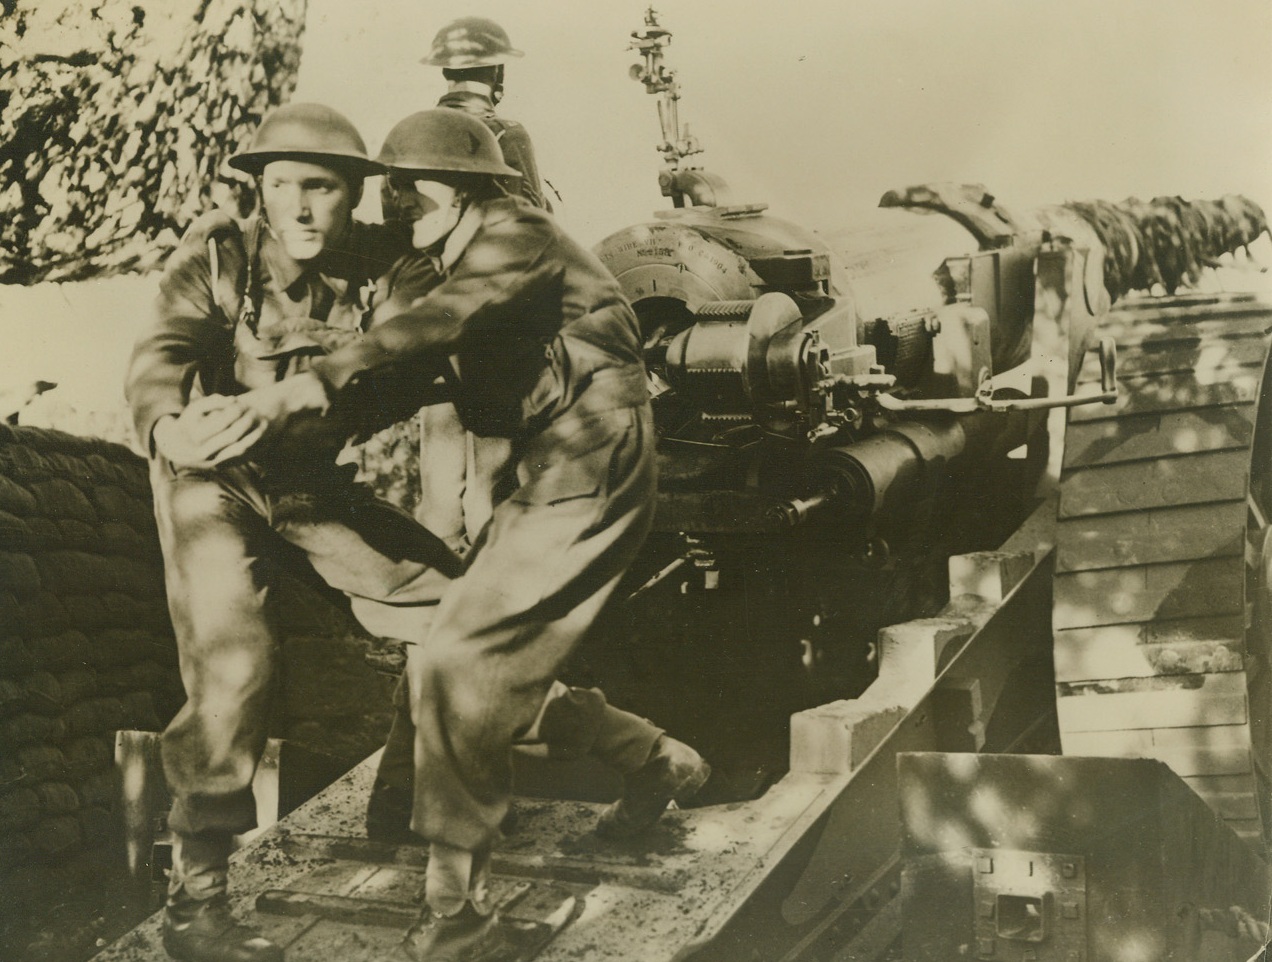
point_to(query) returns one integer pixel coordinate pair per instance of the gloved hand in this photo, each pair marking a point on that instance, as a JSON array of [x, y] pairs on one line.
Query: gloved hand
[[209, 431]]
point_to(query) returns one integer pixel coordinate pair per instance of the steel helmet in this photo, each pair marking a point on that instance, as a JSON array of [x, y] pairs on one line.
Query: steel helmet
[[470, 42], [443, 139], [310, 132]]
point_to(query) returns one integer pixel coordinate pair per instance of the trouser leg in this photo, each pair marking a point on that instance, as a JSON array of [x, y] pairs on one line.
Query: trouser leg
[[397, 763], [535, 583], [200, 866], [574, 722], [215, 530], [580, 721], [213, 535], [472, 697], [213, 538], [457, 920], [455, 876], [198, 925], [389, 805], [392, 569]]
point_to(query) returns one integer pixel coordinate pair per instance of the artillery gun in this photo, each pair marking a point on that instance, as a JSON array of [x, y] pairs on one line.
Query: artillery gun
[[809, 438], [886, 587], [822, 456]]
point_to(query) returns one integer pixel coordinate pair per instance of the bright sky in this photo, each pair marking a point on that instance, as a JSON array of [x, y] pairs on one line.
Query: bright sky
[[819, 106]]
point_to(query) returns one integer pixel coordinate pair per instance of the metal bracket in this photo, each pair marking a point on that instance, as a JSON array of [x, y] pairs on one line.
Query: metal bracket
[[1029, 906]]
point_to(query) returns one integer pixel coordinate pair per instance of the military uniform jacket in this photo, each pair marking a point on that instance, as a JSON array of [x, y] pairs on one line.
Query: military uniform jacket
[[528, 326], [198, 343]]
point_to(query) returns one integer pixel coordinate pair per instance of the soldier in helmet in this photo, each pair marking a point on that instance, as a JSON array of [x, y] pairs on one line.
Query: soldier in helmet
[[242, 465], [472, 52], [460, 474], [539, 347]]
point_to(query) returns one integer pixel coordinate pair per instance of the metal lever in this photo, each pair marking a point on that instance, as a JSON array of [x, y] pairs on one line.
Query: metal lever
[[985, 400]]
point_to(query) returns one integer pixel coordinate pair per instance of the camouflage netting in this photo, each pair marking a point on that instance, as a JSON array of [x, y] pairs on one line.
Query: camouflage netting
[[1167, 242], [116, 117], [390, 463], [86, 649]]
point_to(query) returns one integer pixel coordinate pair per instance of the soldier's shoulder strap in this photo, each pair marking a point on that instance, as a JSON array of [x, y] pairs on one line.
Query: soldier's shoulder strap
[[501, 125], [211, 223], [244, 240]]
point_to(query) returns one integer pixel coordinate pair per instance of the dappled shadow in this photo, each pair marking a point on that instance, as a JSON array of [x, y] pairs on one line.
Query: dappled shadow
[[1114, 858]]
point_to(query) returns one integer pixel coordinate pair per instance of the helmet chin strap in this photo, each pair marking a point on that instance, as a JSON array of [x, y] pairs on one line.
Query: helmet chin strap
[[461, 202], [497, 87]]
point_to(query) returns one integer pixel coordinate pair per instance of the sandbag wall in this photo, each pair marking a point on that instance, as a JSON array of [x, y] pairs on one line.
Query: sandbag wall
[[86, 649]]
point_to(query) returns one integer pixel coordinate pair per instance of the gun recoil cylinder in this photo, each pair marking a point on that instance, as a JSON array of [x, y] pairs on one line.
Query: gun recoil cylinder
[[897, 467]]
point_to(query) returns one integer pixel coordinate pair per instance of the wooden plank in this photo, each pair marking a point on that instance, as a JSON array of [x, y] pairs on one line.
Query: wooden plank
[[1208, 327], [1134, 486], [1219, 784], [1241, 805], [1182, 761], [340, 908], [1199, 646], [327, 940], [1221, 750], [1135, 742], [1172, 392], [1190, 300], [1221, 371], [1192, 321], [1249, 829], [1224, 792], [1222, 682], [1145, 537], [1185, 305], [1174, 701], [1149, 338], [1085, 599], [1147, 436], [1178, 351]]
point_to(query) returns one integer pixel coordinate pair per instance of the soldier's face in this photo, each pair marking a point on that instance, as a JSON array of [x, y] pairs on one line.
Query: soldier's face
[[433, 208], [308, 206]]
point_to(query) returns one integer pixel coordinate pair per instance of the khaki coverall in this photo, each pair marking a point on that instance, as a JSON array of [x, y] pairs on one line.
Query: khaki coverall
[[462, 477], [221, 529], [547, 354]]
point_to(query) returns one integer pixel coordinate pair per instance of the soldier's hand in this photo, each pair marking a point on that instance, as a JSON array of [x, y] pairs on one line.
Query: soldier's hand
[[301, 397], [208, 432]]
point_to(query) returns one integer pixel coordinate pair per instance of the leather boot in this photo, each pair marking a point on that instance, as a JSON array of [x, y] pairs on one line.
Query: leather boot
[[672, 771], [203, 930], [461, 937]]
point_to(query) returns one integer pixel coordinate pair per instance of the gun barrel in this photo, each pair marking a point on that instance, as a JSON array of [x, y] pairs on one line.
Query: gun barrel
[[902, 464]]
